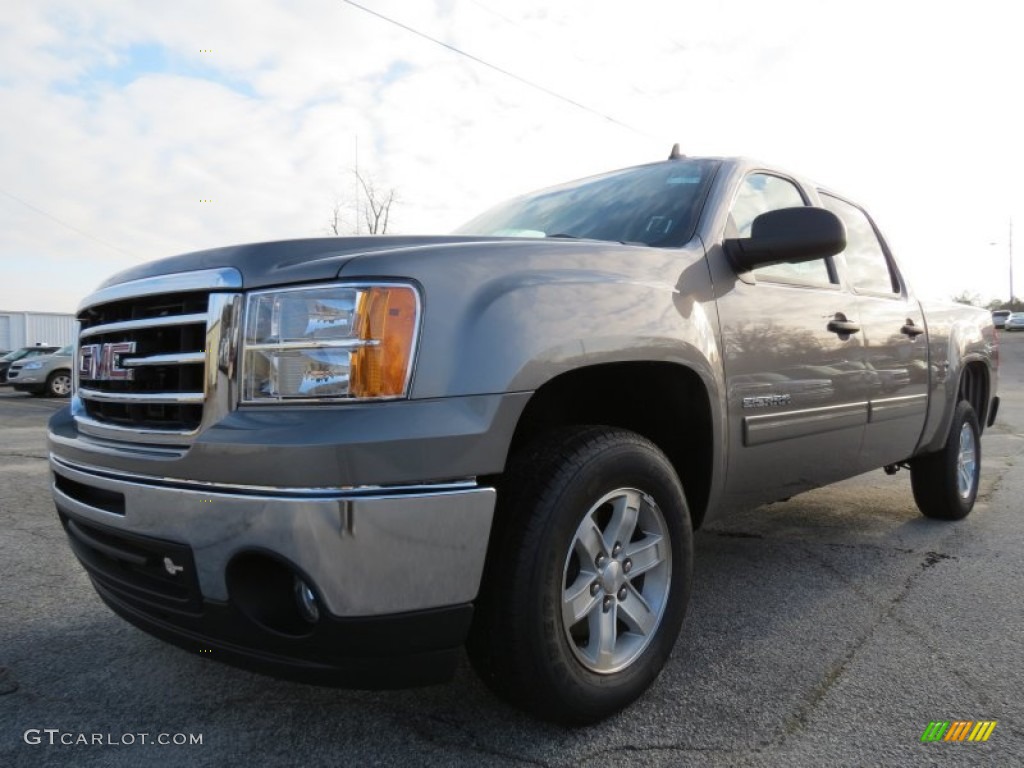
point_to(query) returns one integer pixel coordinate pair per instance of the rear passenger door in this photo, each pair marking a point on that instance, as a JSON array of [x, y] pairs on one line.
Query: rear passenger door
[[797, 404], [895, 345]]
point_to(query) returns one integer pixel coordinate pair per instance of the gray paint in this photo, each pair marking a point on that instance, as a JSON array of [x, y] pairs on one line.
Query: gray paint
[[387, 443]]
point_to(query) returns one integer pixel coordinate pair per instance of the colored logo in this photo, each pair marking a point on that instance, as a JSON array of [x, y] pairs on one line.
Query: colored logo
[[102, 362], [958, 730]]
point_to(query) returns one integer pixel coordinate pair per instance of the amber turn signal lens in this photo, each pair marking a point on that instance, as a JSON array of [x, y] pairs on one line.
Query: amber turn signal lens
[[385, 315]]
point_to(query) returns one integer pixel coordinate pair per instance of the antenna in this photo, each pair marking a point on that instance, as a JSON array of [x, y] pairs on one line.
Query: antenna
[[675, 154], [355, 184]]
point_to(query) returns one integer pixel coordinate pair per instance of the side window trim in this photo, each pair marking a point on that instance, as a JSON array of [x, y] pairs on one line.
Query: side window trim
[[895, 277], [834, 282]]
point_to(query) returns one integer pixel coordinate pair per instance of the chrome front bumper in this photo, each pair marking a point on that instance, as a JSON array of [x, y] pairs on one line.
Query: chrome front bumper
[[368, 552]]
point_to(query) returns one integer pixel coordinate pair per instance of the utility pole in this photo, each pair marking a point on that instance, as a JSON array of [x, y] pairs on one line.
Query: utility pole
[[355, 185], [1009, 248]]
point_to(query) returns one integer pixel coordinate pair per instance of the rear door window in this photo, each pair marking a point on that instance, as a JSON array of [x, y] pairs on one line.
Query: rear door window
[[867, 266]]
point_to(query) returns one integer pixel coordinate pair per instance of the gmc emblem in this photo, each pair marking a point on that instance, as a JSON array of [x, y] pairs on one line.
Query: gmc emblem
[[102, 362]]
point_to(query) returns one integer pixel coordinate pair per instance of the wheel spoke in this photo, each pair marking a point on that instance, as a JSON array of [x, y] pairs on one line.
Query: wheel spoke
[[603, 635], [589, 543], [646, 554], [965, 464], [625, 511], [577, 601], [965, 478], [637, 613]]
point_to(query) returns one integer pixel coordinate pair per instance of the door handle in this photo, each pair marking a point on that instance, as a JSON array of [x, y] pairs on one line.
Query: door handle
[[839, 324], [911, 330]]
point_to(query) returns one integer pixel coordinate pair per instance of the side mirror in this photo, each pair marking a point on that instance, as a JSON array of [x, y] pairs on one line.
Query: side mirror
[[788, 235]]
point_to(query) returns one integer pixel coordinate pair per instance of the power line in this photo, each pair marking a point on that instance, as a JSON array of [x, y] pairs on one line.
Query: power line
[[493, 12], [72, 227], [502, 71], [525, 31]]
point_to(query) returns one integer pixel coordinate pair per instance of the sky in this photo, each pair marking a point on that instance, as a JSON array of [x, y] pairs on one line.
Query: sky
[[133, 131]]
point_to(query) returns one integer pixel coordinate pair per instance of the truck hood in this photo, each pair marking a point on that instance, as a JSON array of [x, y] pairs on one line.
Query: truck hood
[[290, 261]]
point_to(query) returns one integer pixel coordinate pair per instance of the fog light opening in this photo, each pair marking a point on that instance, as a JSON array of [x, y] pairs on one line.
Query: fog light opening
[[305, 598], [273, 593]]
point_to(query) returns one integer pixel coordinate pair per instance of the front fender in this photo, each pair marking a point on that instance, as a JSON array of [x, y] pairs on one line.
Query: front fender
[[510, 316]]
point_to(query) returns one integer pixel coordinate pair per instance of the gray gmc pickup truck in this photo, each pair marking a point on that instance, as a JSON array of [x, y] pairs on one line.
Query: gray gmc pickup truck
[[342, 460]]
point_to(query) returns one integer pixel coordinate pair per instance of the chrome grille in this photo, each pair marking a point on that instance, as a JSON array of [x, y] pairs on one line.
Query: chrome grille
[[141, 361], [156, 357]]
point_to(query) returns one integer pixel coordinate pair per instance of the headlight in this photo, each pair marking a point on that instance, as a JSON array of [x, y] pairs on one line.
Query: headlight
[[351, 342], [31, 366]]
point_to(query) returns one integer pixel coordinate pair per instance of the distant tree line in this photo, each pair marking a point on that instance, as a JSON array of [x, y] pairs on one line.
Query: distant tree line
[[974, 300]]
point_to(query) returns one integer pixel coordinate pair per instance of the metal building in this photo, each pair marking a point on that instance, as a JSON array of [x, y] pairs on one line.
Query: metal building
[[23, 329]]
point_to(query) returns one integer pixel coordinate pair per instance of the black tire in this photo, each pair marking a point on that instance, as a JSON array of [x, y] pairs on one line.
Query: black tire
[[58, 384], [519, 643], [945, 483]]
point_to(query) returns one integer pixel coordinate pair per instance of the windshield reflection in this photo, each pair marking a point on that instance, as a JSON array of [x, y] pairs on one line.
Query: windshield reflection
[[655, 204]]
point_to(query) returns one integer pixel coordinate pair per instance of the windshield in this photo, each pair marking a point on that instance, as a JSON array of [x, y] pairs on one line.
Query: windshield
[[654, 204]]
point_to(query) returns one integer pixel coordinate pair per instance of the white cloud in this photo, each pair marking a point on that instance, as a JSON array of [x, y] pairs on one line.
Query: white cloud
[[908, 108]]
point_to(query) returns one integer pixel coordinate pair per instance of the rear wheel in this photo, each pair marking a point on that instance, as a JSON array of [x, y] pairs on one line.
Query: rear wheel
[[588, 575], [945, 483], [58, 384]]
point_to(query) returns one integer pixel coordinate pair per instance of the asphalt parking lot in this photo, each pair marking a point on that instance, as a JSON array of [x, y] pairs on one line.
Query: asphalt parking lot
[[829, 629]]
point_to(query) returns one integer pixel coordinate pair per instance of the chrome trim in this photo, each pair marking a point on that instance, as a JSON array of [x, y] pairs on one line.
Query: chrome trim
[[321, 344], [223, 340], [223, 336], [372, 554], [120, 448], [89, 426], [187, 358], [156, 398], [271, 492], [151, 322], [224, 278]]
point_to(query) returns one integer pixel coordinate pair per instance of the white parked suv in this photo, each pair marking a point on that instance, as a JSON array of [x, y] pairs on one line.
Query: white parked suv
[[43, 375]]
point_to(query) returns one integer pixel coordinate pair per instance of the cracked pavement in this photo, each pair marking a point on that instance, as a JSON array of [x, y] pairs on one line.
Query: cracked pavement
[[828, 629]]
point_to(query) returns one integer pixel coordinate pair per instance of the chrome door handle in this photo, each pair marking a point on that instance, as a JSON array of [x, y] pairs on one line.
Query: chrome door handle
[[842, 327]]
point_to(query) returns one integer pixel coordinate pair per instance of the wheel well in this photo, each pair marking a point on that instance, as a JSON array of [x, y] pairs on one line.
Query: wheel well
[[974, 388], [666, 403]]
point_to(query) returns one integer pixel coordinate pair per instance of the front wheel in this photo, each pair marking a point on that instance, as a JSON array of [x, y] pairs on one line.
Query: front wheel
[[588, 575], [945, 483]]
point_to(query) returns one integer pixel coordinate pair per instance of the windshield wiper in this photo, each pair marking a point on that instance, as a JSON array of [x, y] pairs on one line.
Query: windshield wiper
[[566, 236]]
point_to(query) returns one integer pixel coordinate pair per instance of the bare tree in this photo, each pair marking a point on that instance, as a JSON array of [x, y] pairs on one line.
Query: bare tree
[[370, 209], [377, 205], [336, 224], [966, 297]]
